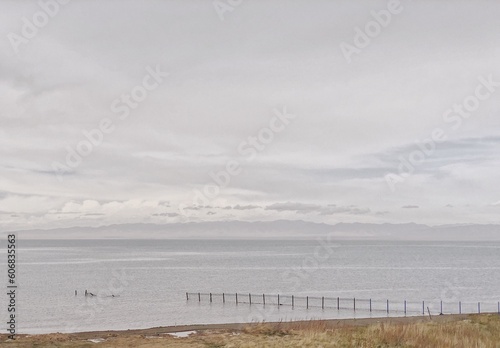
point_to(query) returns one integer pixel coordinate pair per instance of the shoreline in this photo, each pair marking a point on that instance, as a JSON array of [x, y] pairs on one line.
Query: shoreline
[[330, 323], [443, 331]]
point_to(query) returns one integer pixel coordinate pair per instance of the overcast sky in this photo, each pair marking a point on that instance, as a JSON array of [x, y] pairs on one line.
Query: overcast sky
[[233, 71]]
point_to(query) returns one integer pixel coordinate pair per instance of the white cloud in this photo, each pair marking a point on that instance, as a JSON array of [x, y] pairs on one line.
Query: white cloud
[[353, 120]]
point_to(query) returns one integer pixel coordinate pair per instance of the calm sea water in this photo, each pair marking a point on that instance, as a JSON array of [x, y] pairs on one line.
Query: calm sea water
[[149, 278]]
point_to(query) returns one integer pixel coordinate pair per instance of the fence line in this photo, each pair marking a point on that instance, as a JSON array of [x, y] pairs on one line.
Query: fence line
[[353, 304]]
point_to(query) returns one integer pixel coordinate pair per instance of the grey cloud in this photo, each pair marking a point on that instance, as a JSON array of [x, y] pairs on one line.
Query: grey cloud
[[304, 208], [167, 214], [472, 150], [245, 207], [410, 207], [241, 207], [295, 207], [352, 210]]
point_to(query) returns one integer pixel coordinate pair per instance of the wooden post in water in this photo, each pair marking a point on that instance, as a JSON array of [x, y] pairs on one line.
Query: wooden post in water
[[264, 299], [387, 306], [250, 298], [199, 297], [338, 303], [370, 305], [210, 297], [279, 300], [307, 302], [441, 312], [236, 298], [187, 296], [76, 293], [223, 298], [405, 307], [355, 304], [323, 303], [293, 302]]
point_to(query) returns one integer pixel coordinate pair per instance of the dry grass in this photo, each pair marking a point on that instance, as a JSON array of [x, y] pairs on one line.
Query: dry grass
[[476, 331]]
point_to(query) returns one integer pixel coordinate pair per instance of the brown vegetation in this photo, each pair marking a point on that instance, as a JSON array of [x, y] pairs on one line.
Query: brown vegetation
[[452, 331]]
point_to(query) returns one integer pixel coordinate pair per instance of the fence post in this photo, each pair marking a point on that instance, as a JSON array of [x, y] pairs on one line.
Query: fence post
[[279, 300], [338, 303], [293, 302], [250, 298], [387, 306], [355, 304], [459, 307], [264, 299], [236, 298], [423, 307], [199, 297], [441, 312], [187, 296], [370, 305], [405, 307], [479, 307], [223, 298], [210, 297], [322, 303], [307, 302], [498, 307]]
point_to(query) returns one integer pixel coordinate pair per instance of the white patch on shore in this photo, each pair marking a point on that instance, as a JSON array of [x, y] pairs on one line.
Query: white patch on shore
[[181, 334]]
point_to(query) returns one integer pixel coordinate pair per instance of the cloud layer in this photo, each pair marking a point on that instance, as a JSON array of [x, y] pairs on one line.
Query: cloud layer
[[75, 79]]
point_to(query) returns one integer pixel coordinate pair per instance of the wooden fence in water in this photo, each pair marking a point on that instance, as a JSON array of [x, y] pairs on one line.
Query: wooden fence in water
[[352, 304]]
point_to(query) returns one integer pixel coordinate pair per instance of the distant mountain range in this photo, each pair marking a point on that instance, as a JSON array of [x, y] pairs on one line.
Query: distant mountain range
[[280, 229]]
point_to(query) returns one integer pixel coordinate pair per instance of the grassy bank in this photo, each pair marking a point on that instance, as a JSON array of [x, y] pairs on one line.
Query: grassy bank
[[445, 331]]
